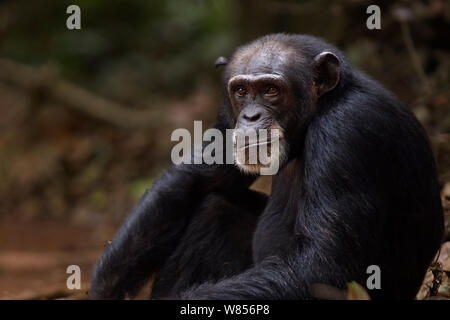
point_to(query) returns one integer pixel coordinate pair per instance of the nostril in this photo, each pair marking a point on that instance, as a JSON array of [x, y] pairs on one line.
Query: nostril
[[252, 117]]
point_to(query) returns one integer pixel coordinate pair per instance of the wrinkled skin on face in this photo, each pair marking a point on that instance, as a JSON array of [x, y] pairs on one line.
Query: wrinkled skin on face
[[267, 89]]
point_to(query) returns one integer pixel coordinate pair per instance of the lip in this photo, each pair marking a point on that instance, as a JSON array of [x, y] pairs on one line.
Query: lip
[[258, 144]]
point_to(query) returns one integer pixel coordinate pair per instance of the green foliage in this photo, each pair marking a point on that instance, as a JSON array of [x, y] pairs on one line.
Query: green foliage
[[356, 292], [139, 186], [151, 46]]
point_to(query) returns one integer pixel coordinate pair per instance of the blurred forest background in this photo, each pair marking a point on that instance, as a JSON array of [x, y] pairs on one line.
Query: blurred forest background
[[86, 115]]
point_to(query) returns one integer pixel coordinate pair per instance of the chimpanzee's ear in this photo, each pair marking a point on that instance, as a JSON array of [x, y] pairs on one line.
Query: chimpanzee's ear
[[326, 72], [221, 61]]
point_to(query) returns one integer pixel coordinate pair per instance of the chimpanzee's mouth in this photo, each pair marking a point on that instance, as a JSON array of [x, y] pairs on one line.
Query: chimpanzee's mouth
[[248, 145]]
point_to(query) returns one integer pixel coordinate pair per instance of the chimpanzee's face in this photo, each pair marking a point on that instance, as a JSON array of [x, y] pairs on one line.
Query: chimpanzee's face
[[262, 101], [274, 88]]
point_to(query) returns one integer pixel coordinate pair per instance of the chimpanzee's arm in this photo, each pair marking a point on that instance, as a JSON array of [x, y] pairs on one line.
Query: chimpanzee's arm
[[316, 257], [290, 276], [150, 233]]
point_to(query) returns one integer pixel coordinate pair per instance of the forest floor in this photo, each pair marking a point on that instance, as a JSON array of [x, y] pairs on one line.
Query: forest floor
[[36, 254]]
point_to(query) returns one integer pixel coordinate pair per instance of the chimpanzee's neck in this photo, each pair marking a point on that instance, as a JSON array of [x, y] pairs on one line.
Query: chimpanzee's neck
[[290, 173], [286, 185]]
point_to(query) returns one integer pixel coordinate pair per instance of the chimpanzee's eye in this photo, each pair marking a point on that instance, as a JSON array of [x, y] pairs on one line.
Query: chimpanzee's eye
[[272, 91], [241, 91]]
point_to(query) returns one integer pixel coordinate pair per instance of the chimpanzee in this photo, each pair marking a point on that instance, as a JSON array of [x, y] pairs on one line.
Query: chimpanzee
[[357, 186]]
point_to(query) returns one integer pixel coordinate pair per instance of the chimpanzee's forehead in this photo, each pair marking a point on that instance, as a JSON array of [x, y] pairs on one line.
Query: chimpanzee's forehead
[[267, 57]]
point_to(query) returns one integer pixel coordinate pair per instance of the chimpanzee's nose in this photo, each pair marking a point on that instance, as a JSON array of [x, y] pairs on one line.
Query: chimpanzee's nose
[[252, 115]]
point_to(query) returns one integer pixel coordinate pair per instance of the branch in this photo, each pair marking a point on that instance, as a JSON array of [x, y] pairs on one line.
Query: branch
[[415, 59], [47, 81]]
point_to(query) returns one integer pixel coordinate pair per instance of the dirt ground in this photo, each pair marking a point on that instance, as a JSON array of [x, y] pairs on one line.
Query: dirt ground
[[34, 256]]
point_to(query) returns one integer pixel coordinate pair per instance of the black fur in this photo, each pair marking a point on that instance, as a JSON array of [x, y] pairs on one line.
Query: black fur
[[360, 188]]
